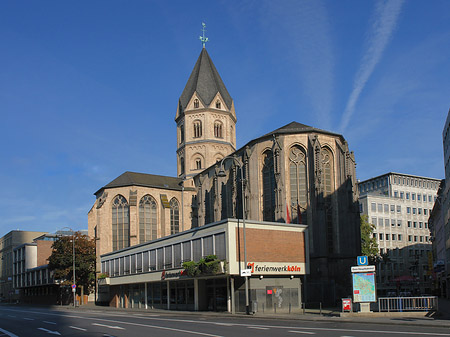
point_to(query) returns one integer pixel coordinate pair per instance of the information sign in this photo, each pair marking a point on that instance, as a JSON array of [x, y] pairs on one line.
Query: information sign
[[364, 287]]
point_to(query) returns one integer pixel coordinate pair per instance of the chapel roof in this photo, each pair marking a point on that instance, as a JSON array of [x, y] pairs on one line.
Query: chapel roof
[[294, 127], [206, 81], [145, 180]]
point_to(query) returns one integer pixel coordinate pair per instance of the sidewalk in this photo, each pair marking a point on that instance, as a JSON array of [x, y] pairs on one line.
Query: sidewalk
[[439, 319]]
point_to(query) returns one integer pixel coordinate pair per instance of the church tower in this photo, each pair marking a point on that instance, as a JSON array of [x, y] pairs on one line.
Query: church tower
[[206, 120]]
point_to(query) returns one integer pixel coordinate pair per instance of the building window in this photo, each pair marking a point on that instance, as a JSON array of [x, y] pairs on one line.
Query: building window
[[399, 208], [268, 176], [413, 196], [399, 237], [381, 236], [328, 184], [198, 164], [298, 183], [414, 210], [218, 130], [218, 105], [407, 195], [425, 211], [408, 210], [174, 216], [181, 165], [386, 208], [197, 129], [196, 103], [380, 208], [147, 219], [402, 195], [120, 223], [419, 197], [373, 207], [415, 224], [181, 133]]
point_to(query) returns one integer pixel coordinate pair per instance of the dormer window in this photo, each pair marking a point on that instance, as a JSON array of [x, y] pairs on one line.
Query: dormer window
[[196, 103], [218, 105]]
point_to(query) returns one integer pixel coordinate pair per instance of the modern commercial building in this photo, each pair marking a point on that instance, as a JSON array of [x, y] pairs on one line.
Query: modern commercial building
[[399, 205], [437, 230], [151, 275], [294, 174], [7, 244]]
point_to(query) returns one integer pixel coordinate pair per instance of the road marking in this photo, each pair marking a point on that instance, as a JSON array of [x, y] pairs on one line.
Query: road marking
[[77, 328], [28, 319], [225, 324], [7, 333], [50, 332], [305, 332], [257, 327], [109, 326], [11, 316], [48, 322]]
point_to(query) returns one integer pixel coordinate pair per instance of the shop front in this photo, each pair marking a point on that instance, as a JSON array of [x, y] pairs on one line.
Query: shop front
[[200, 269]]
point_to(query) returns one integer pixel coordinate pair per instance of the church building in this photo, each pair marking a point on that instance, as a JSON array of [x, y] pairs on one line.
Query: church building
[[296, 175]]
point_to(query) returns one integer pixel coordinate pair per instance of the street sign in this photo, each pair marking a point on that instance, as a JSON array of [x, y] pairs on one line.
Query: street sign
[[246, 272], [362, 260], [74, 287], [363, 269], [347, 305]]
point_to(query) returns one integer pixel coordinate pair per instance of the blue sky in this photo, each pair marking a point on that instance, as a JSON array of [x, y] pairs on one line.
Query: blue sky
[[89, 89]]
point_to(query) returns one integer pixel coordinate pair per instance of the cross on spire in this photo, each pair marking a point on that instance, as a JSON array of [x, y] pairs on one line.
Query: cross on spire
[[203, 38]]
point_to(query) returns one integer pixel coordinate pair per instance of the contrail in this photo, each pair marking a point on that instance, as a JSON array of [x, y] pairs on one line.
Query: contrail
[[385, 20]]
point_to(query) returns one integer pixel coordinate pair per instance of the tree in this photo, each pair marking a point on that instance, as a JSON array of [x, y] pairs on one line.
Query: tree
[[369, 244], [61, 261]]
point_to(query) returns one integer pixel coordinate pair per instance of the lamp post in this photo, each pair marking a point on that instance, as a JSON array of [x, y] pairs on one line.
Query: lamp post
[[73, 264], [222, 173]]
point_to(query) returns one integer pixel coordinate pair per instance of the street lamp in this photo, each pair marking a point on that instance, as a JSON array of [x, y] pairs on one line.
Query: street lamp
[[222, 173], [73, 264]]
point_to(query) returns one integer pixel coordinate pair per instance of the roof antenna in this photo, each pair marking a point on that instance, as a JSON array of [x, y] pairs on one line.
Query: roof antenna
[[203, 38]]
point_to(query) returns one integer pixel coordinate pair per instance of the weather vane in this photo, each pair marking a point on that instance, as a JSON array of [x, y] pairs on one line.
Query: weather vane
[[203, 38]]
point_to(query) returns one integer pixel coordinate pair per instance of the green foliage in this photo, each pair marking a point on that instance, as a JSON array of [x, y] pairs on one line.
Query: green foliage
[[209, 265], [103, 275], [61, 261], [369, 244]]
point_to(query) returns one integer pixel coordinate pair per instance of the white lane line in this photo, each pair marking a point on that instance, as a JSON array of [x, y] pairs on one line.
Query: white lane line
[[7, 333], [109, 326], [257, 327], [50, 332], [224, 324], [48, 322], [28, 319], [304, 332], [77, 328], [11, 316]]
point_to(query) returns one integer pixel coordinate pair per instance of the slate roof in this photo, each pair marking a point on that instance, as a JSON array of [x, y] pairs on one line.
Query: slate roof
[[295, 127], [206, 81], [145, 180]]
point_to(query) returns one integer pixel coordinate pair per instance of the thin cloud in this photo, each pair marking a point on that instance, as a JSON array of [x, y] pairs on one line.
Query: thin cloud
[[386, 17]]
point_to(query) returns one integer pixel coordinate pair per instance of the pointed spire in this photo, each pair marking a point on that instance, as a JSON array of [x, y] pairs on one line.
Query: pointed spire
[[206, 81]]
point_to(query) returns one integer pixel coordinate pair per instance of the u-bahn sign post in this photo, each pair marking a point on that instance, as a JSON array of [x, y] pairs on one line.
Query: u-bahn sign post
[[364, 285]]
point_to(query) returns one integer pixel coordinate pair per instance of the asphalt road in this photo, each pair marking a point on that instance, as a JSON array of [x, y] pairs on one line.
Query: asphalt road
[[31, 321]]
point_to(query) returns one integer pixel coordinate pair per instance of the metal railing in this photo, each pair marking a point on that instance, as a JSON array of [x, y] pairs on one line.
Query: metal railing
[[424, 303]]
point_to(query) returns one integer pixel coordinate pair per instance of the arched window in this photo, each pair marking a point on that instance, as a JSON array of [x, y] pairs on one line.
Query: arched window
[[298, 183], [218, 130], [174, 216], [328, 189], [120, 223], [197, 129], [147, 219], [198, 164], [268, 177], [181, 165], [196, 103], [181, 133], [218, 105], [232, 134]]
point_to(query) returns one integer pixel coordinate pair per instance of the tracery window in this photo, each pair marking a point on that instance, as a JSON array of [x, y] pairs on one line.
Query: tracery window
[[298, 183], [197, 129], [120, 223], [174, 216], [196, 103], [218, 130], [268, 177], [328, 188], [218, 104], [147, 219]]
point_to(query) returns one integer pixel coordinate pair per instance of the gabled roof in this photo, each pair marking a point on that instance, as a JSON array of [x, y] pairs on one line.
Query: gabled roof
[[144, 179], [295, 127], [206, 81]]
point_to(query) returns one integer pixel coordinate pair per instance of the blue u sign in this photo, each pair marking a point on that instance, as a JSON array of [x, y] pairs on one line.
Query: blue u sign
[[363, 260]]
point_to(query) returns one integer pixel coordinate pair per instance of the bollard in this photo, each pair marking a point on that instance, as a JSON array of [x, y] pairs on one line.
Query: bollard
[[320, 308], [289, 308], [304, 307], [275, 308]]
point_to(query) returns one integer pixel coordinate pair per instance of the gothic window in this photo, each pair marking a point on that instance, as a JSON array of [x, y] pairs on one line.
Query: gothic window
[[328, 188], [147, 219], [232, 134], [198, 164], [298, 183], [218, 130], [174, 216], [268, 177], [218, 105], [120, 223], [196, 103], [197, 129]]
